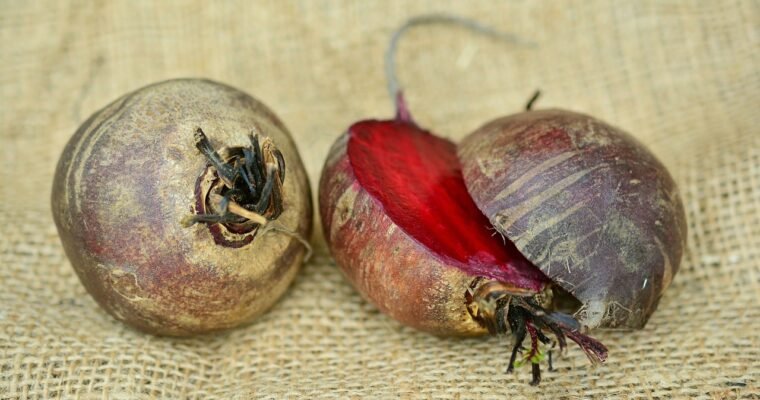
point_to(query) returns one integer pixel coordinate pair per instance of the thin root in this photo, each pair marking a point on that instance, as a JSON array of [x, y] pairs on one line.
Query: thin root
[[277, 227]]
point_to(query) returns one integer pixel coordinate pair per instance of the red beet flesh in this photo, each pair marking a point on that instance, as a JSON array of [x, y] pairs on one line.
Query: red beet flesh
[[417, 179]]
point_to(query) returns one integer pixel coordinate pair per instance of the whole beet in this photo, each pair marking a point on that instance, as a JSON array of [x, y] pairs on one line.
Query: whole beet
[[127, 181]]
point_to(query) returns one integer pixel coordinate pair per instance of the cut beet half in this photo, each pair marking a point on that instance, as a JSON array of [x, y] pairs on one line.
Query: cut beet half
[[417, 178]]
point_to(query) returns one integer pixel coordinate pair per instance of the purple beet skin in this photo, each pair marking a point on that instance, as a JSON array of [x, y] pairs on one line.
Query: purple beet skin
[[586, 203]]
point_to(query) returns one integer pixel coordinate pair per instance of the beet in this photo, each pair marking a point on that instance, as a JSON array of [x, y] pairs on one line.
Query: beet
[[542, 223], [156, 213]]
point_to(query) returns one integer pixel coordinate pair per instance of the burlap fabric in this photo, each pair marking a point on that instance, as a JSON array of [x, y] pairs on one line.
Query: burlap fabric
[[684, 77]]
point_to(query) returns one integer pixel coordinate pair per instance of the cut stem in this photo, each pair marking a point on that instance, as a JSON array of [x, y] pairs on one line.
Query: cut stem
[[529, 105]]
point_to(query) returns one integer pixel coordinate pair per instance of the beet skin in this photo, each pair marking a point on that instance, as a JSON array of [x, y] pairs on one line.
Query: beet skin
[[128, 178]]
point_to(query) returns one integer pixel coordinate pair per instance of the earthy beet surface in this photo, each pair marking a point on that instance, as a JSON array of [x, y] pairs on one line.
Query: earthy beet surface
[[586, 203], [127, 179]]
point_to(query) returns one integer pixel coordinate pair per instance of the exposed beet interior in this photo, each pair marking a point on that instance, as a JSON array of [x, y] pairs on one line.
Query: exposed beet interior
[[417, 178]]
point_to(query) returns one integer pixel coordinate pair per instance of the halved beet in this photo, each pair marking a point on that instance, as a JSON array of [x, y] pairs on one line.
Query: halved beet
[[586, 203]]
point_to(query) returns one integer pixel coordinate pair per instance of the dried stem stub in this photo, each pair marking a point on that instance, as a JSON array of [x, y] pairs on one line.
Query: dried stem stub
[[240, 190], [502, 309]]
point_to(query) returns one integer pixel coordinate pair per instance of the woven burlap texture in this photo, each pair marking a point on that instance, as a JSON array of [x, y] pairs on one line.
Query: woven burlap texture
[[683, 77]]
